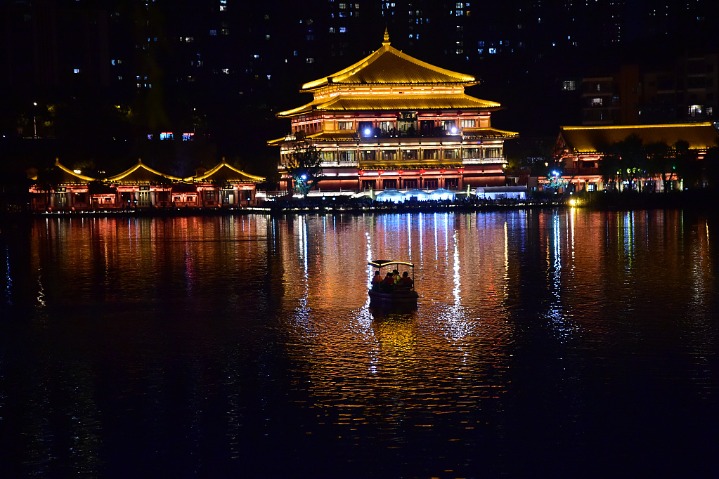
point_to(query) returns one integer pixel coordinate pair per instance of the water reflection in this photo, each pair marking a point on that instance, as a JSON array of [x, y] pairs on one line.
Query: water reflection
[[245, 343]]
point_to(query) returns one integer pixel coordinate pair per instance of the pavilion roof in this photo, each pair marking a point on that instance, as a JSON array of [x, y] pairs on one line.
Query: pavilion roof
[[225, 173], [592, 139], [392, 102], [141, 174], [387, 66], [69, 177]]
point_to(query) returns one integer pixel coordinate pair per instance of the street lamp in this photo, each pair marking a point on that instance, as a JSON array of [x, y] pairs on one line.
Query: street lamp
[[34, 121]]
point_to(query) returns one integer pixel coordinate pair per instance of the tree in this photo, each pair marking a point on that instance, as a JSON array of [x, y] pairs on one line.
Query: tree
[[660, 162], [303, 165], [686, 164]]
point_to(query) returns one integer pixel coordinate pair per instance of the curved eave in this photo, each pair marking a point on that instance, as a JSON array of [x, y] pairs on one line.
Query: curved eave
[[242, 176], [123, 176], [392, 103], [415, 70], [489, 133], [72, 174]]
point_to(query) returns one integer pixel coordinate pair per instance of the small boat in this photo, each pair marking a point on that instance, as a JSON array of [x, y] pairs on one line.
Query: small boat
[[389, 294]]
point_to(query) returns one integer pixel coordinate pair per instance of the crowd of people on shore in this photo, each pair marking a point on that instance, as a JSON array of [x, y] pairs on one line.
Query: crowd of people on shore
[[392, 281]]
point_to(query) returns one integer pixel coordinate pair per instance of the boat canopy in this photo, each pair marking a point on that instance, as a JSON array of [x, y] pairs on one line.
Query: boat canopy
[[381, 263]]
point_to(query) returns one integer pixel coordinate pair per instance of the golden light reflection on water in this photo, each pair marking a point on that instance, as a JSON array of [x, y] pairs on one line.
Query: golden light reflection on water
[[500, 293]]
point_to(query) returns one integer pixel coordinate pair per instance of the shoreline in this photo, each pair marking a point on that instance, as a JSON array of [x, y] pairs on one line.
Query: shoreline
[[687, 200]]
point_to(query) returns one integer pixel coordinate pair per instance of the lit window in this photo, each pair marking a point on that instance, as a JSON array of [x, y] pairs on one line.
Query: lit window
[[569, 85], [213, 32], [188, 136], [468, 123], [597, 102], [166, 135], [344, 125], [76, 70], [695, 110]]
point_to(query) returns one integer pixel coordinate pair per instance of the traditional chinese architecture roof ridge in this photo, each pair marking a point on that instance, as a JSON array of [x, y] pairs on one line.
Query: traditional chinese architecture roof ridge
[[68, 177], [488, 133], [225, 173], [392, 102], [141, 174], [592, 139], [386, 66]]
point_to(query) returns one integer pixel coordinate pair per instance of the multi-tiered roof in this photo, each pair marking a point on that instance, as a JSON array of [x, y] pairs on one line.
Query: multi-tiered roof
[[390, 80]]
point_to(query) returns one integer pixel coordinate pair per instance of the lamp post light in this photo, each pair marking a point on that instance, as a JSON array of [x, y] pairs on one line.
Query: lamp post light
[[34, 121]]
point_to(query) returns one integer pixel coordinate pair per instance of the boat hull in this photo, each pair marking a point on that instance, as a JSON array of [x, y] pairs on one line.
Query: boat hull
[[394, 299]]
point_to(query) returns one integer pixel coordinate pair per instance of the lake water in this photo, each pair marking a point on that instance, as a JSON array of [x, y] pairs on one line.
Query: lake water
[[546, 343]]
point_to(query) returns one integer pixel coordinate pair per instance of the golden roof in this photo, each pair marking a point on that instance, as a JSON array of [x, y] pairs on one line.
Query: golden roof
[[387, 66], [592, 139], [391, 102], [69, 177], [488, 133], [225, 173], [140, 174]]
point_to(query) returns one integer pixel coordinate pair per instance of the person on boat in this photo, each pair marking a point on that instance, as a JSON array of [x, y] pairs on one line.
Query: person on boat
[[387, 282], [405, 281], [376, 280], [395, 276]]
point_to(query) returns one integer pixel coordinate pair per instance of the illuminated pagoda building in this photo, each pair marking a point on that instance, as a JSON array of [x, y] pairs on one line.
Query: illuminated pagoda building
[[391, 121]]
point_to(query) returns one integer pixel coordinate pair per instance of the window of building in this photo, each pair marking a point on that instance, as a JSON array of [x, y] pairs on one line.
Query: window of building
[[451, 154], [347, 156], [390, 184], [493, 153], [389, 155], [596, 102], [410, 154], [430, 154], [369, 155], [386, 125], [344, 125], [468, 123], [471, 153], [569, 85]]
